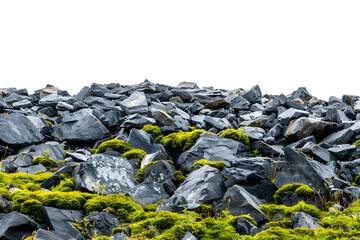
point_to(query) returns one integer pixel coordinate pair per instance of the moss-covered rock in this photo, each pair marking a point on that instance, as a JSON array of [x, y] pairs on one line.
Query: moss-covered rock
[[297, 188], [219, 165], [134, 154], [46, 161], [155, 131], [66, 185], [237, 135], [120, 146], [357, 143]]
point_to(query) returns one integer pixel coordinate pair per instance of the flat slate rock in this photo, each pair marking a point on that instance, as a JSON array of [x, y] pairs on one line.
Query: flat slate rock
[[42, 234], [16, 130], [203, 185], [102, 223], [135, 103], [148, 192], [114, 172], [80, 126]]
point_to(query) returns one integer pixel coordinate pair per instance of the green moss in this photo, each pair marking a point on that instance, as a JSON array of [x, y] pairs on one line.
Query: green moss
[[22, 180], [205, 210], [298, 188], [120, 146], [357, 143], [46, 161], [32, 208], [180, 178], [154, 131], [134, 154], [357, 180], [237, 135], [102, 238], [150, 207], [66, 185], [219, 165]]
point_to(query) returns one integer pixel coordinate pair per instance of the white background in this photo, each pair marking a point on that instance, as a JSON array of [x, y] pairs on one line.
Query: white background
[[279, 45]]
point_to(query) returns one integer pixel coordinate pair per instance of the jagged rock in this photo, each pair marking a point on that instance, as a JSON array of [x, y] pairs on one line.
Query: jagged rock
[[290, 114], [272, 106], [137, 121], [240, 103], [49, 89], [187, 85], [253, 95], [42, 234], [302, 93], [340, 137], [16, 131], [135, 103], [304, 220], [254, 133], [61, 219], [53, 99], [180, 123], [80, 126], [16, 226], [31, 169], [303, 127], [298, 168], [212, 148], [218, 103], [238, 202], [161, 117], [342, 151], [148, 192], [244, 227], [114, 172], [188, 236], [102, 223], [266, 149], [160, 171], [5, 206], [203, 185]]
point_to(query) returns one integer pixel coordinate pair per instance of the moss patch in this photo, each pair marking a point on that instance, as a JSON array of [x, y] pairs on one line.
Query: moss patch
[[219, 165], [237, 135], [134, 154], [46, 161], [120, 146]]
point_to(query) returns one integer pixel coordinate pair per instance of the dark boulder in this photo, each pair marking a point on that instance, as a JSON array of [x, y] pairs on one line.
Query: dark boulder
[[102, 223], [148, 192], [304, 220], [42, 234], [135, 103]]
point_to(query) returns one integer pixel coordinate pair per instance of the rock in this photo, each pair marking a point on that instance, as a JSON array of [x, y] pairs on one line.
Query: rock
[[5, 206], [137, 121], [188, 236], [80, 126], [183, 94], [240, 103], [49, 89], [187, 85], [340, 137], [148, 192], [322, 155], [302, 93], [254, 133], [13, 162], [342, 151], [135, 103], [160, 172], [219, 123], [304, 220], [195, 107], [272, 106], [16, 226], [16, 131], [253, 95], [51, 181], [244, 227], [238, 202], [61, 219], [290, 114], [266, 149], [22, 104], [212, 148], [218, 103], [180, 124], [203, 185], [161, 117], [53, 99], [102, 223], [304, 127], [114, 172], [298, 168], [31, 169], [42, 234], [140, 139]]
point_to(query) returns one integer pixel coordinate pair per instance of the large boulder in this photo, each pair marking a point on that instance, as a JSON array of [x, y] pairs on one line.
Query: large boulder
[[16, 131], [135, 103], [304, 127], [80, 126], [148, 192], [113, 172], [203, 185], [238, 202], [16, 226]]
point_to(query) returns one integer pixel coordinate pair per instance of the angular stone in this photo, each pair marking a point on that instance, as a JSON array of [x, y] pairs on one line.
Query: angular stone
[[161, 117], [183, 94], [137, 121], [114, 172], [238, 202], [102, 223], [53, 99], [290, 114], [5, 206], [42, 234], [244, 227], [302, 93], [16, 131], [304, 220], [148, 192], [22, 104], [272, 106], [218, 103], [240, 103], [160, 172], [203, 185], [342, 151], [254, 133], [180, 123], [188, 236], [80, 126], [253, 95], [219, 123], [340, 137], [135, 103], [303, 127], [31, 169], [16, 226], [187, 85], [49, 89], [267, 150]]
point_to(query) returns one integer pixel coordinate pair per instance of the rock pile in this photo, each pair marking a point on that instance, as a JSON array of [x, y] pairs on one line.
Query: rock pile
[[128, 161]]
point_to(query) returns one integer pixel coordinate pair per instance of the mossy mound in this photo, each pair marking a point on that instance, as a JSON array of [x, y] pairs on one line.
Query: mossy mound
[[237, 135], [219, 165], [298, 188], [134, 154], [155, 131], [357, 143], [120, 146], [46, 161], [66, 185]]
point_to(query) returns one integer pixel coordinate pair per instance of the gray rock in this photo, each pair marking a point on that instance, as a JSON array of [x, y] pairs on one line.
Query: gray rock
[[53, 99], [342, 151], [290, 114], [183, 94], [42, 234], [148, 192], [322, 155], [16, 226], [187, 85], [22, 104], [340, 137], [298, 168], [203, 185], [5, 206], [180, 123], [188, 236], [161, 117], [304, 220], [49, 89], [303, 127], [31, 169], [102, 223], [238, 202], [253, 95], [61, 219], [80, 126], [295, 104], [160, 172], [302, 93], [267, 150], [16, 131], [63, 106], [240, 103], [135, 103], [114, 172], [272, 106], [254, 133], [244, 227], [219, 123], [137, 121], [13, 162]]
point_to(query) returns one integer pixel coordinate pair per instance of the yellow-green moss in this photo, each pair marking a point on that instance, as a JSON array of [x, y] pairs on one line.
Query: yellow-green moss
[[219, 165], [66, 185], [357, 143], [32, 208], [237, 135], [120, 146], [134, 154], [46, 161], [179, 176], [155, 131], [25, 180], [297, 188]]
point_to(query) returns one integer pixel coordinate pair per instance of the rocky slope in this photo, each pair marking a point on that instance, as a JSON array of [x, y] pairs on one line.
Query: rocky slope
[[154, 161]]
